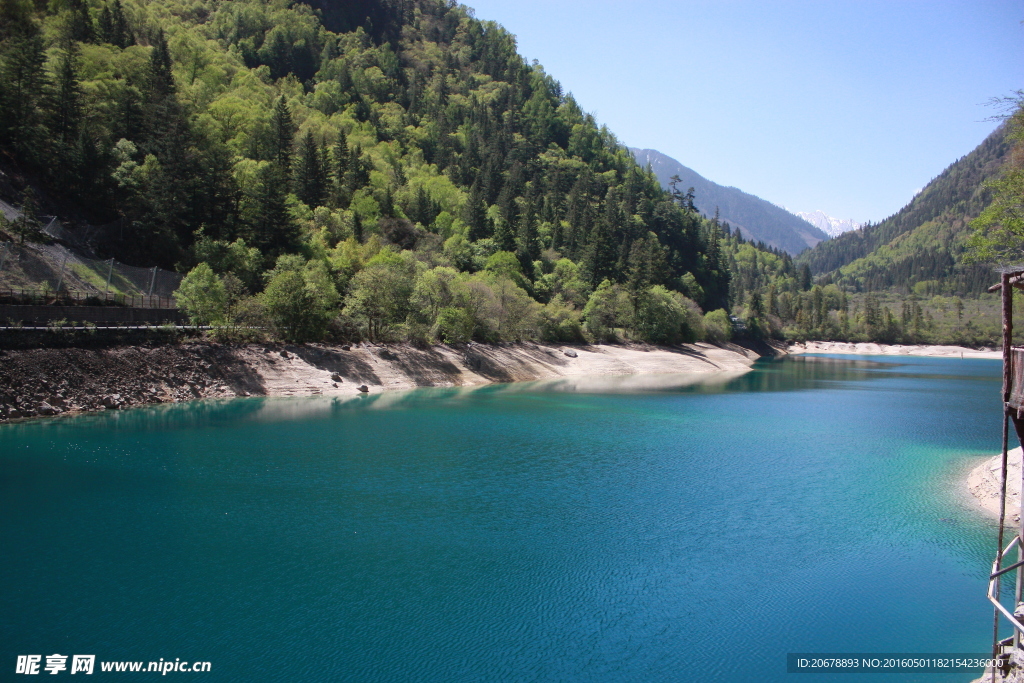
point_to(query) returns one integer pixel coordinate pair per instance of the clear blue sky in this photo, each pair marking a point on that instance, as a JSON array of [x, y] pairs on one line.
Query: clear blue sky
[[847, 106]]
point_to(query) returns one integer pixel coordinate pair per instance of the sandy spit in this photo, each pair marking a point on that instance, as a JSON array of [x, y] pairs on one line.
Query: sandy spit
[[983, 483], [872, 349]]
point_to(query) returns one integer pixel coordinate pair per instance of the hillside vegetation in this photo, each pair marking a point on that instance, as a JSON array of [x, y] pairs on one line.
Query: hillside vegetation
[[920, 248], [369, 168]]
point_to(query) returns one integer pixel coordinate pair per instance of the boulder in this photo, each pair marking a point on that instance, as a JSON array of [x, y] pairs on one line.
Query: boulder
[[346, 347], [46, 409], [364, 389], [336, 378], [570, 353]]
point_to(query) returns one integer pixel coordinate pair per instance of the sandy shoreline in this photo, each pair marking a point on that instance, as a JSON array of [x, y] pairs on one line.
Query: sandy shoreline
[[983, 483], [46, 382], [872, 349]]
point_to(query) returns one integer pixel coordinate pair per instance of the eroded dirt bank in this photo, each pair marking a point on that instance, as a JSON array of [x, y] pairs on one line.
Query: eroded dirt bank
[[42, 382]]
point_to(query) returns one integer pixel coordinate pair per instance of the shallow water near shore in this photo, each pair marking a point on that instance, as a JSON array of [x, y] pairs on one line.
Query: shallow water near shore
[[659, 528]]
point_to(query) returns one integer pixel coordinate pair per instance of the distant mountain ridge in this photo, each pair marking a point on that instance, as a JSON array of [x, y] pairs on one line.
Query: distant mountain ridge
[[757, 218], [923, 241], [833, 227]]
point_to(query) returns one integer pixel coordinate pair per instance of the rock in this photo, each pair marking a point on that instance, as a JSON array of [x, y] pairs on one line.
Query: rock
[[285, 354], [46, 409], [335, 386], [363, 388], [570, 353], [346, 347], [111, 401], [336, 377]]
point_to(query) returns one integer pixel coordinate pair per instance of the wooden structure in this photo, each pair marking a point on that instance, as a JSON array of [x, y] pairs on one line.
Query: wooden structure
[[1009, 651]]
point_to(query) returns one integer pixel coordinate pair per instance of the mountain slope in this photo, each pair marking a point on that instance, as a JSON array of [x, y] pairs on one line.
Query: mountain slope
[[923, 240], [395, 167], [758, 219]]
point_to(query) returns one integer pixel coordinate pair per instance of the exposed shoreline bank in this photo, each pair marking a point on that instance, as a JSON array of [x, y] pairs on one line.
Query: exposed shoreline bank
[[983, 483], [47, 382], [873, 349]]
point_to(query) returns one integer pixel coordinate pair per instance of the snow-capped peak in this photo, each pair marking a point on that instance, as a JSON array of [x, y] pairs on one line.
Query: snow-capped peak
[[833, 227]]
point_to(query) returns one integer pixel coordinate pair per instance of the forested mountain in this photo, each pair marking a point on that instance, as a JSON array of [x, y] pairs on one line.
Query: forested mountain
[[396, 165], [921, 244], [758, 219]]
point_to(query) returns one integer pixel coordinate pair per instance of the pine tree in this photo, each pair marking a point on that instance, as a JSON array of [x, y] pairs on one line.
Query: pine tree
[[270, 226], [311, 173], [22, 84], [475, 215], [161, 78], [119, 30], [341, 166], [357, 227], [105, 26], [284, 134], [66, 110], [81, 22], [599, 255]]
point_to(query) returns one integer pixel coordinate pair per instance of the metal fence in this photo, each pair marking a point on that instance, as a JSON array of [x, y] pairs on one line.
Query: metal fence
[[58, 269], [64, 266], [46, 297]]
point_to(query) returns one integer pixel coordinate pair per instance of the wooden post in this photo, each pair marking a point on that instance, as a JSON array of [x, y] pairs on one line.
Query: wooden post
[[1007, 292]]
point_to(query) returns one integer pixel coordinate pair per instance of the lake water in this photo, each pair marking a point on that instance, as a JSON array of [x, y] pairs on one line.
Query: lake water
[[672, 528]]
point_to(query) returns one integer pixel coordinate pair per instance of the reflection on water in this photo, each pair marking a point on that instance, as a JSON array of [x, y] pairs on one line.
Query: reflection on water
[[628, 528], [793, 373]]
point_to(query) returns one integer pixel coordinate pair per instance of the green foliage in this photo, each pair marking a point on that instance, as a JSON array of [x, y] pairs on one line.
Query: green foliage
[[202, 296], [362, 148], [998, 232], [379, 293], [607, 309], [717, 326], [300, 299], [453, 325], [663, 317], [560, 322]]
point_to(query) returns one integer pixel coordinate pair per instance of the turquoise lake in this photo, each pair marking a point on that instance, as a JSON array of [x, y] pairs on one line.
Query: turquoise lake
[[672, 528]]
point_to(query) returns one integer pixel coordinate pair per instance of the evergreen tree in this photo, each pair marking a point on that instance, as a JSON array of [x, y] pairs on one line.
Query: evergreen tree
[[284, 134], [161, 77], [340, 156], [119, 27], [81, 22], [270, 227], [22, 82], [66, 111], [475, 215], [311, 173]]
